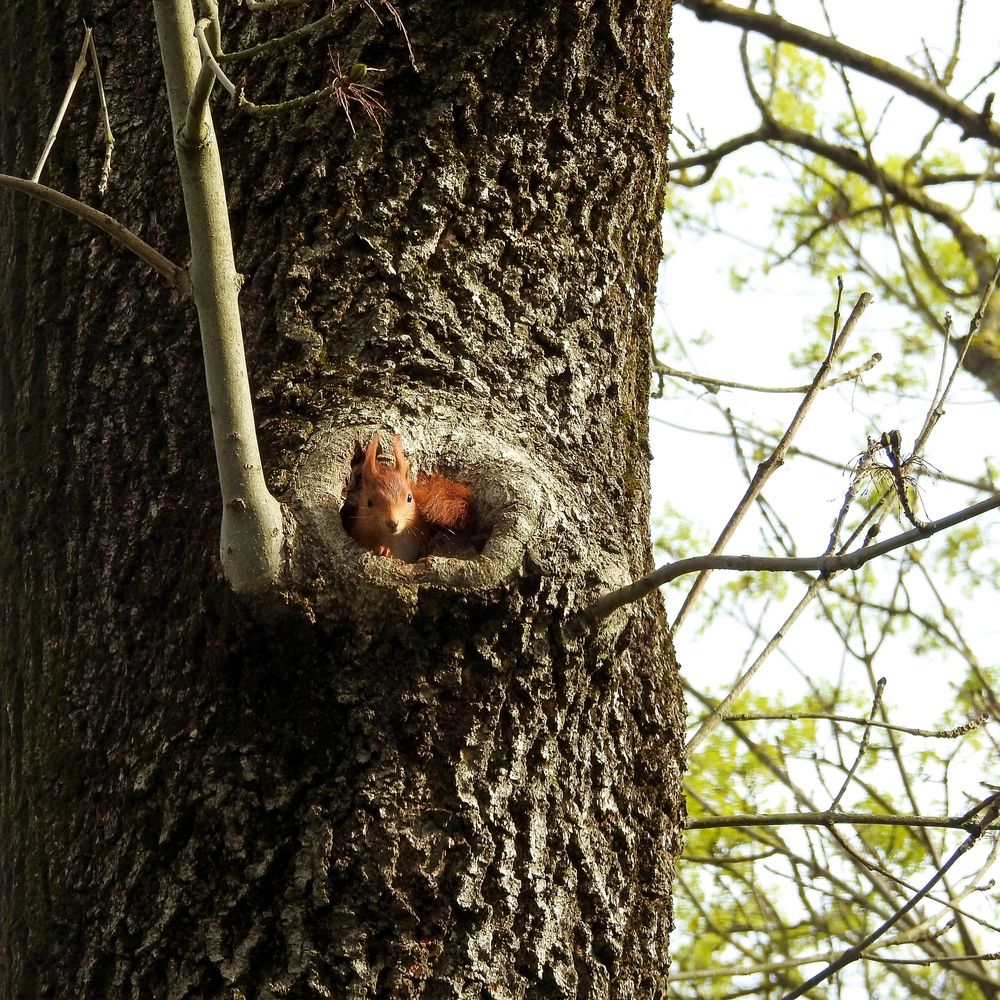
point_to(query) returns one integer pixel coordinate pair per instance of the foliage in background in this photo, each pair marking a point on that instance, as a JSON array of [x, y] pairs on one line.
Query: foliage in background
[[763, 907]]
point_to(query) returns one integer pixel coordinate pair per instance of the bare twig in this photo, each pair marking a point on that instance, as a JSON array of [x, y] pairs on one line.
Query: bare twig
[[973, 123], [825, 564], [972, 243], [989, 808], [195, 127], [281, 107], [701, 859], [878, 174], [825, 818], [177, 276], [938, 396], [394, 14], [766, 469], [990, 956], [758, 442], [856, 720], [936, 411], [862, 747], [721, 383], [109, 139], [313, 28], [759, 968], [258, 6], [766, 968], [208, 56], [711, 158], [78, 68]]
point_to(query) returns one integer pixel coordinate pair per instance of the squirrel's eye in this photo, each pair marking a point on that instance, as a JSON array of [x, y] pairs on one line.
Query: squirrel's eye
[[409, 498], [371, 503]]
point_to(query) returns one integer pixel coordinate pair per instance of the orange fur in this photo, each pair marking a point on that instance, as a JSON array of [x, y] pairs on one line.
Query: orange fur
[[444, 503], [394, 516]]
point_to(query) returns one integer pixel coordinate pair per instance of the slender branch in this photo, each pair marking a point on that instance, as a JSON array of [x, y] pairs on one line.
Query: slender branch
[[261, 5], [109, 138], [701, 859], [78, 68], [887, 216], [938, 398], [196, 126], [825, 818], [990, 808], [744, 435], [313, 28], [252, 526], [936, 410], [743, 681], [711, 158], [213, 30], [766, 469], [862, 747], [827, 565], [959, 643], [848, 159], [856, 720], [990, 956], [958, 177], [975, 124], [760, 968], [282, 107], [815, 586], [766, 968], [174, 274], [775, 844], [211, 70], [826, 223], [209, 58], [717, 383], [932, 923]]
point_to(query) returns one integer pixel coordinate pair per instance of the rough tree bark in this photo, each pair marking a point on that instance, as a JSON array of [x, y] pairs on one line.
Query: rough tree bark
[[387, 785]]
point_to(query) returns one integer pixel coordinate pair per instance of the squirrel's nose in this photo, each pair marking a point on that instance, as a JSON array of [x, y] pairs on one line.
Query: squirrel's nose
[[391, 523]]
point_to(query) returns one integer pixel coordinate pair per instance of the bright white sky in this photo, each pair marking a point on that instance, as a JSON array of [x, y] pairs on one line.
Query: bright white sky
[[753, 333]]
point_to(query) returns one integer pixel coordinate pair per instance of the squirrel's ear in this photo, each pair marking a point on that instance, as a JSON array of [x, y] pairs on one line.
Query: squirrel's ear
[[371, 455], [402, 465], [357, 461]]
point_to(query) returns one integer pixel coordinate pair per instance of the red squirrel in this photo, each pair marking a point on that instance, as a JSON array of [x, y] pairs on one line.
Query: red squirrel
[[392, 515]]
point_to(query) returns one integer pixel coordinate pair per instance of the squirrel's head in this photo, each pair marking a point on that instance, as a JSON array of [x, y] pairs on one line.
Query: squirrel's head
[[385, 496]]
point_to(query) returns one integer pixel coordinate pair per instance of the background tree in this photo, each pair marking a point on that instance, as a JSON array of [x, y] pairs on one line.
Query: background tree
[[392, 782], [764, 906]]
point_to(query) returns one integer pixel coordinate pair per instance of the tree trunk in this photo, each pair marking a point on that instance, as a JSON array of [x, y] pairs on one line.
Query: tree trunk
[[395, 781]]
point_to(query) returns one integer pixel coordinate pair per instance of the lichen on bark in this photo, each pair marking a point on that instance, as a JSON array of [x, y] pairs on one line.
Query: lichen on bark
[[439, 790]]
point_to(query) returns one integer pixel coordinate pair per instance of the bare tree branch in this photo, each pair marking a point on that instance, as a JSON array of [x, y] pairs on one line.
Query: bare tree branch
[[109, 138], [721, 383], [990, 956], [78, 68], [974, 124], [990, 809], [314, 28], [824, 564], [972, 243], [857, 720], [825, 818], [176, 275], [766, 469]]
